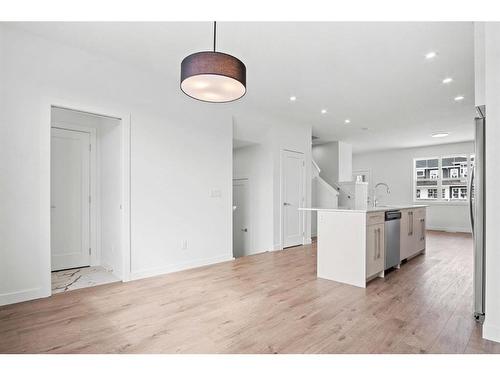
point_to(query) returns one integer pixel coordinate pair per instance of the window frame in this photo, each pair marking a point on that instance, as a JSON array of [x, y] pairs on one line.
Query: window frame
[[440, 200]]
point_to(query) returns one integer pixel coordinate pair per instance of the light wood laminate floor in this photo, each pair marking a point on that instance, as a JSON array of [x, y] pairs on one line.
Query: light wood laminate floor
[[266, 303]]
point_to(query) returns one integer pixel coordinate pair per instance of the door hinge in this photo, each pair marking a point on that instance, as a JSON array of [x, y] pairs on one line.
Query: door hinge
[[90, 251], [90, 147], [90, 200]]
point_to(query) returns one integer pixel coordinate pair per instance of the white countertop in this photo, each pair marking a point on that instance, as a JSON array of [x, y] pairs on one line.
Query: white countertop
[[370, 209]]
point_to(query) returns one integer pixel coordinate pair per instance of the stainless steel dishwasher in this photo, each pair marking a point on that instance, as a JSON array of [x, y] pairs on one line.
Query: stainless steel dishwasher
[[392, 238]]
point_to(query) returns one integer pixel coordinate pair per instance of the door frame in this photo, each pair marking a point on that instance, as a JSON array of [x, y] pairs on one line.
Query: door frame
[[47, 103], [94, 209], [304, 186], [250, 212]]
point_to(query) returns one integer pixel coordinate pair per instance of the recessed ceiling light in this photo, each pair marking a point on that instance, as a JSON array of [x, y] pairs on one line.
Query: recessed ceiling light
[[430, 55], [448, 80], [293, 98], [347, 121], [440, 134], [323, 111], [458, 98]]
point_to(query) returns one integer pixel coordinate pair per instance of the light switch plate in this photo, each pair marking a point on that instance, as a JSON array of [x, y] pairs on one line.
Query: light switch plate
[[215, 193]]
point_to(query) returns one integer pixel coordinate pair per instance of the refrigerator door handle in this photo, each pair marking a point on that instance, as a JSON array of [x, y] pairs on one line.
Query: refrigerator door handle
[[471, 204]]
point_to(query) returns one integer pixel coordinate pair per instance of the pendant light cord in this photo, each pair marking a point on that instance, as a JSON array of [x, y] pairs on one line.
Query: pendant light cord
[[215, 32]]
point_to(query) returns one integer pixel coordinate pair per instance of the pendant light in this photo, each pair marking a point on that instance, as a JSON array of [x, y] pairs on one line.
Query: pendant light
[[214, 77]]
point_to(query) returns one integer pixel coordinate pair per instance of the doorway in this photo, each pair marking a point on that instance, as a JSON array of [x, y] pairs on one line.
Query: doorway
[[292, 198], [87, 200], [241, 218]]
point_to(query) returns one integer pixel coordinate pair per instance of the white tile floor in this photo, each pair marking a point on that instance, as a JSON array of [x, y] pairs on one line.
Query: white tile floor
[[77, 278]]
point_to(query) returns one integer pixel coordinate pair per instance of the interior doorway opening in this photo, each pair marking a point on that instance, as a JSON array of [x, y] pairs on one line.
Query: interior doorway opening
[[241, 217], [86, 193]]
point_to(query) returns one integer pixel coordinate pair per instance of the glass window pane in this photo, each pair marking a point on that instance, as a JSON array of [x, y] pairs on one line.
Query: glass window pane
[[427, 175]]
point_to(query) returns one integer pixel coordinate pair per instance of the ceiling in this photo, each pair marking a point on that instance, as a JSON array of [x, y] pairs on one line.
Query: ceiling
[[374, 74]]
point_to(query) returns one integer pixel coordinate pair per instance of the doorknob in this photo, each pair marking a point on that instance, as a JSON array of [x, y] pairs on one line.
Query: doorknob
[[52, 206], [286, 204], [244, 230]]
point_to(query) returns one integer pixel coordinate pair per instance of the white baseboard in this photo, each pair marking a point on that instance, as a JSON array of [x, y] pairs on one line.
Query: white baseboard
[[277, 246], [135, 275], [307, 241], [450, 229], [491, 332], [23, 295]]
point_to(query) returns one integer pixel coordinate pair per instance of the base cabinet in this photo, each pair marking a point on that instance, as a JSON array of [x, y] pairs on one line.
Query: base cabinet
[[419, 223], [412, 232], [374, 250]]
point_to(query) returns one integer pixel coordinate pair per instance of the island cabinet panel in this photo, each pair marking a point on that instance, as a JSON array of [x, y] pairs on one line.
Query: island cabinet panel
[[341, 247], [375, 246]]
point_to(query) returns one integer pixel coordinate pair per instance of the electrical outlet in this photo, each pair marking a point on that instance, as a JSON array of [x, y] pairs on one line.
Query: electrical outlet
[[184, 245]]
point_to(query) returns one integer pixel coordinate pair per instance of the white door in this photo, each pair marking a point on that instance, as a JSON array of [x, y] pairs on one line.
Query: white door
[[70, 199], [293, 197], [241, 218]]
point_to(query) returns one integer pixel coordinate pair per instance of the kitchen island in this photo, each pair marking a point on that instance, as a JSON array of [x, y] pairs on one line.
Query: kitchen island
[[351, 243]]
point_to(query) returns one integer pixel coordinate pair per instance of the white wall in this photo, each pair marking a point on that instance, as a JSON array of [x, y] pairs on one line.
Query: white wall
[[479, 63], [254, 162], [181, 149], [326, 157], [345, 161], [395, 167], [491, 329], [335, 161]]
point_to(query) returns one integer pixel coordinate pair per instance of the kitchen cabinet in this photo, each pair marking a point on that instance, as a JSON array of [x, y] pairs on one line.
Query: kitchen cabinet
[[375, 244], [419, 224], [374, 250], [412, 232]]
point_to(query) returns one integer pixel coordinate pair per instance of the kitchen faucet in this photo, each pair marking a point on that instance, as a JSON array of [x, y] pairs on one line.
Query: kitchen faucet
[[388, 191]]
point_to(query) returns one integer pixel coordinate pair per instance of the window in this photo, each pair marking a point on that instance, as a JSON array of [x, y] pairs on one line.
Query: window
[[442, 179], [433, 193]]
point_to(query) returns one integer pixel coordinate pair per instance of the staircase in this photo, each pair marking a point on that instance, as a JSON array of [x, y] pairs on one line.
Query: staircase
[[324, 195]]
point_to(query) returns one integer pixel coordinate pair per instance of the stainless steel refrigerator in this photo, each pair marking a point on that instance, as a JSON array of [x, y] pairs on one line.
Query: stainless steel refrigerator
[[477, 211]]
